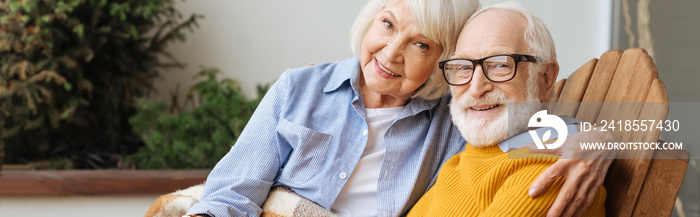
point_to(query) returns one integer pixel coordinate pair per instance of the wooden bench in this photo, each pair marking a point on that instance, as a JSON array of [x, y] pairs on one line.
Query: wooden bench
[[97, 182]]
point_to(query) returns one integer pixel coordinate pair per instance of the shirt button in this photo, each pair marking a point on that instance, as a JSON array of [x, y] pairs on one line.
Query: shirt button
[[343, 175], [364, 132]]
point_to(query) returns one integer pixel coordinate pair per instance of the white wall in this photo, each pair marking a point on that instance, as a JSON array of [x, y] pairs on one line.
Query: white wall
[[581, 29], [255, 41], [74, 206]]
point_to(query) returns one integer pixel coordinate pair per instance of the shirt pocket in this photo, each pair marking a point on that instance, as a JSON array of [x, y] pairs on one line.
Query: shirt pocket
[[309, 151]]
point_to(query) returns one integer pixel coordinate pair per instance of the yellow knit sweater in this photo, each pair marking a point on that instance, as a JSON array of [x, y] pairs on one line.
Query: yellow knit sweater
[[485, 182]]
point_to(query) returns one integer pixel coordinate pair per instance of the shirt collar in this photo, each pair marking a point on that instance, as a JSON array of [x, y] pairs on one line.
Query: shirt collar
[[345, 71], [417, 105]]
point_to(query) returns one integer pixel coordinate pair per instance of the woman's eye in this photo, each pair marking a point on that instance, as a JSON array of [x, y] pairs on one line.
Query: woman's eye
[[388, 24], [422, 46]]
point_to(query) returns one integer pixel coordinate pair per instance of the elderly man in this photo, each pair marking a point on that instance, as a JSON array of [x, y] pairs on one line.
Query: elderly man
[[503, 55]]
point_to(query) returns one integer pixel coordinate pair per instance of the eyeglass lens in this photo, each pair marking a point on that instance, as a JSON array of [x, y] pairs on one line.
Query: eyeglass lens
[[496, 68]]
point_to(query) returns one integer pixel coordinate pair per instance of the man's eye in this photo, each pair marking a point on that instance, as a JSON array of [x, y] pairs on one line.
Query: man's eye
[[388, 24], [497, 65], [422, 46], [466, 68]]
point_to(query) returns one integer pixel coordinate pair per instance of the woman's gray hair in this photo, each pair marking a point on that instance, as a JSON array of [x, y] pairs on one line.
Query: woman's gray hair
[[440, 21]]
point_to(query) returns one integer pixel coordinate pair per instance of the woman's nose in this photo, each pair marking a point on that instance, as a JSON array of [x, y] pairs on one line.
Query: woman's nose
[[395, 50], [479, 85]]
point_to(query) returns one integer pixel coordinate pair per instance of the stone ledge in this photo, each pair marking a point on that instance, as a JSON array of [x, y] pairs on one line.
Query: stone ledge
[[97, 182]]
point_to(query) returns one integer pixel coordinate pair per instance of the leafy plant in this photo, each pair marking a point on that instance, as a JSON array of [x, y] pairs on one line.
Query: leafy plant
[[70, 71], [198, 138]]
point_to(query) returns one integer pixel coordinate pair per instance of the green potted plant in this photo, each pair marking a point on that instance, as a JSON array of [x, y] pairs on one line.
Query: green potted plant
[[198, 136], [71, 72]]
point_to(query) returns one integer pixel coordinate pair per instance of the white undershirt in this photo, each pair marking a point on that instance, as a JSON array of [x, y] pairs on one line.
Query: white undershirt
[[359, 195]]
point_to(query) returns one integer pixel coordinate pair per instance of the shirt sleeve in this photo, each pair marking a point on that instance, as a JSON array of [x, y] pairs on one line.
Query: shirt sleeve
[[241, 180]]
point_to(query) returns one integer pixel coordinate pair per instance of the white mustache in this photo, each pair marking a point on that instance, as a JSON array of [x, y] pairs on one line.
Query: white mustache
[[489, 98]]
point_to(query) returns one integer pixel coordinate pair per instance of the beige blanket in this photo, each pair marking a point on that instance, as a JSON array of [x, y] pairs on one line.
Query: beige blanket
[[281, 202]]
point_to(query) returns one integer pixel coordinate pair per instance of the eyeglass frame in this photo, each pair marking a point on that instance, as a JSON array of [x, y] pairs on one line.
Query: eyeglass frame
[[516, 57]]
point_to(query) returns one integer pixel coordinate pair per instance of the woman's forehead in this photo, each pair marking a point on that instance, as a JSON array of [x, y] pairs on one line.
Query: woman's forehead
[[402, 17], [400, 6]]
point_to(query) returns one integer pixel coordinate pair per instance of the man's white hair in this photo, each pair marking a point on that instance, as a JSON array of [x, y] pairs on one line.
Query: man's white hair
[[440, 21], [537, 36]]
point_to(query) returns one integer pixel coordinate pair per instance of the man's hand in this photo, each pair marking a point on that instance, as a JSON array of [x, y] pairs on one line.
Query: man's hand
[[584, 172]]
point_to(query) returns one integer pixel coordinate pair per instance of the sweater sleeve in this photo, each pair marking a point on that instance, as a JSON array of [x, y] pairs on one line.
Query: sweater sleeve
[[512, 199]]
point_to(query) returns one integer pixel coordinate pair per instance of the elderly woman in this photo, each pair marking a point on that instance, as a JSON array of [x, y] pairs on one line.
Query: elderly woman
[[364, 136]]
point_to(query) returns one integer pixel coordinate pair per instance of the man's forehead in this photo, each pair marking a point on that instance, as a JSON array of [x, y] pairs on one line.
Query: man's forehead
[[473, 54], [492, 32]]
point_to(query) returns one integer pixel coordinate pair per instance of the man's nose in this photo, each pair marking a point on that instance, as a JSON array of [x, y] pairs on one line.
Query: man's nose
[[479, 85]]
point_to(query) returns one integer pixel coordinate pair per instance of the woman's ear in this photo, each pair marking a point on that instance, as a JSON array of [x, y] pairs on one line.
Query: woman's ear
[[549, 78]]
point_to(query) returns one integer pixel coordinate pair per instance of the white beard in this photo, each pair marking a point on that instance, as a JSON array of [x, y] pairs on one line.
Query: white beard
[[484, 132]]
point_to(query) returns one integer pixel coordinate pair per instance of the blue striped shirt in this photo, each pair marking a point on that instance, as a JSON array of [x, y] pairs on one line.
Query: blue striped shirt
[[308, 134]]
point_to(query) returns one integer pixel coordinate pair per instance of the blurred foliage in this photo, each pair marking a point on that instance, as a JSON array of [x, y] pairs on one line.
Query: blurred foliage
[[70, 71], [198, 138]]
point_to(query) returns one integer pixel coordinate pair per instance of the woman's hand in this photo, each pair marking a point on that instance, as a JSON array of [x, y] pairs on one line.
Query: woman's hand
[[584, 172]]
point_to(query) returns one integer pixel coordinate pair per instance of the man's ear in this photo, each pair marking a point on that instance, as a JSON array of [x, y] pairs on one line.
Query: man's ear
[[549, 78]]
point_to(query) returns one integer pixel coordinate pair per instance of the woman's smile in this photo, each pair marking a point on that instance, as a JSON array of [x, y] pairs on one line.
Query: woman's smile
[[383, 71]]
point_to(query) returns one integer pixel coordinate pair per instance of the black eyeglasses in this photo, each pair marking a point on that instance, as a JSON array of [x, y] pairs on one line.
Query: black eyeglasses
[[497, 68]]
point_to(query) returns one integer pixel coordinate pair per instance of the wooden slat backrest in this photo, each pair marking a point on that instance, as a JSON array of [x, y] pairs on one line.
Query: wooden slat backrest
[[554, 97], [598, 87], [574, 89], [654, 198], [631, 83], [603, 84], [661, 186]]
